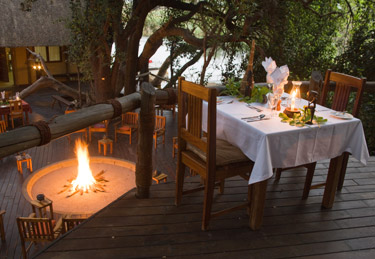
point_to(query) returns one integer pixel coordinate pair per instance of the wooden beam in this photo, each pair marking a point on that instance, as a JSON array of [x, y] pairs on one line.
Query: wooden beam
[[26, 137], [143, 171]]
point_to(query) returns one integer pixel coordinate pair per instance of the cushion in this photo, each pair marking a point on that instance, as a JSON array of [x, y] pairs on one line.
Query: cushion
[[99, 125], [226, 153]]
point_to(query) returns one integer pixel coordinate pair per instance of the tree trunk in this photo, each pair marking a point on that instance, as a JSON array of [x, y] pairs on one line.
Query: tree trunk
[[143, 173], [248, 78]]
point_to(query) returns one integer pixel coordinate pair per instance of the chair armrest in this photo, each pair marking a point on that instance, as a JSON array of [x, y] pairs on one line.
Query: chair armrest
[[32, 215], [58, 227]]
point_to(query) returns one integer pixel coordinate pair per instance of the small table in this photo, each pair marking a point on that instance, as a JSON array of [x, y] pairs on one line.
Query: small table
[[42, 206], [105, 142], [24, 158], [158, 176]]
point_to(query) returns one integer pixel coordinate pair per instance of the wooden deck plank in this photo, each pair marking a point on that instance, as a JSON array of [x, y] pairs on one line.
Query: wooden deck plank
[[155, 227]]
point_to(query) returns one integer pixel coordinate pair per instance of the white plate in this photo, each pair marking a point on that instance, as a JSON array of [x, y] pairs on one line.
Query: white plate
[[342, 115]]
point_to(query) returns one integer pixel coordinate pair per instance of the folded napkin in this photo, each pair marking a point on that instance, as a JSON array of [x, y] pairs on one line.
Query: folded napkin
[[280, 78], [269, 65], [3, 95]]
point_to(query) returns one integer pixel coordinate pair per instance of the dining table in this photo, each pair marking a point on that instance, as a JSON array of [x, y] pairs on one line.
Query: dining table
[[5, 111], [271, 143]]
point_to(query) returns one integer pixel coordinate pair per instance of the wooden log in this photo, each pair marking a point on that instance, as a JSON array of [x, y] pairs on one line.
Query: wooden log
[[143, 171], [26, 137]]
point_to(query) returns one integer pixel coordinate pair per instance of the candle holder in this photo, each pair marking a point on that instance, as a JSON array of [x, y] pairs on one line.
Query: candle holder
[[290, 113]]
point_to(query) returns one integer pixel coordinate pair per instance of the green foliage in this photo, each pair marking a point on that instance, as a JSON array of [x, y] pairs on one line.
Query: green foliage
[[258, 93], [232, 88], [300, 119]]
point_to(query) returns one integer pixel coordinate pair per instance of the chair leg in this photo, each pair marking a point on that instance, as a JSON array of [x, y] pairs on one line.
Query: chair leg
[[221, 189], [207, 204], [115, 136], [130, 138], [308, 181], [180, 177], [278, 174], [343, 171]]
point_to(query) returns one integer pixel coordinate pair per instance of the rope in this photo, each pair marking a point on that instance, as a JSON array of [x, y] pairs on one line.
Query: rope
[[172, 96], [117, 108], [44, 130]]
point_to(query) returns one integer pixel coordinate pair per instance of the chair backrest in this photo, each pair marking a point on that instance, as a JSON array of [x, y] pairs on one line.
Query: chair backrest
[[190, 101], [15, 106], [70, 223], [130, 118], [159, 122], [345, 84], [35, 229], [2, 126]]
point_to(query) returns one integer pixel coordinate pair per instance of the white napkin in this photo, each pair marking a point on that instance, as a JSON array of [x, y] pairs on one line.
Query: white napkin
[[3, 95], [280, 78], [17, 95], [269, 65]]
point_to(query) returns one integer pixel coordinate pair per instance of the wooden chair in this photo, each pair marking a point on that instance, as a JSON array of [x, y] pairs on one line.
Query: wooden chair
[[3, 127], [344, 85], [16, 111], [213, 159], [166, 107], [69, 223], [99, 127], [2, 230], [37, 230], [83, 131], [159, 129], [129, 124], [174, 146]]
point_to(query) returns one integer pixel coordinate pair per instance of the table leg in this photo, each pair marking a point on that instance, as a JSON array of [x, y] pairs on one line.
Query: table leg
[[105, 149], [27, 117], [332, 181], [257, 200], [99, 147]]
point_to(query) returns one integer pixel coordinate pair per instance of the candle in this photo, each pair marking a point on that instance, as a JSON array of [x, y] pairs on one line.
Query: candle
[[293, 102]]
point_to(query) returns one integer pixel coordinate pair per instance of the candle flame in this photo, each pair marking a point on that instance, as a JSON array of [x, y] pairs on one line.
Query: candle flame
[[293, 102]]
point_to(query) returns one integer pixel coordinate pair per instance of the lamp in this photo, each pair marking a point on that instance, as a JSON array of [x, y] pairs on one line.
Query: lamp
[[294, 100]]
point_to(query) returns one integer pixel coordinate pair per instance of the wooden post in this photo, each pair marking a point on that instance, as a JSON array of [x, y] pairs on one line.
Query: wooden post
[[143, 170], [248, 78]]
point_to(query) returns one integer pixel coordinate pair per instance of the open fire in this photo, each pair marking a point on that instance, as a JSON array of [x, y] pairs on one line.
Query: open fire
[[85, 181]]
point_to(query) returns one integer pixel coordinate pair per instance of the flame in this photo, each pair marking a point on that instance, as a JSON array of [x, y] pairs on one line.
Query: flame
[[293, 102], [84, 177]]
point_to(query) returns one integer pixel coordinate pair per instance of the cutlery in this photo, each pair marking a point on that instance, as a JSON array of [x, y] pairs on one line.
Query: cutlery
[[255, 108], [261, 116]]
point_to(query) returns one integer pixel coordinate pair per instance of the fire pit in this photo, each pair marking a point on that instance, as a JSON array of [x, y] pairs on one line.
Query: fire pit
[[74, 191]]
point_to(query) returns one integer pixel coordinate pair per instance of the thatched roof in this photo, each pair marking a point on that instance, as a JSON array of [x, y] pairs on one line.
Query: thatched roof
[[42, 25]]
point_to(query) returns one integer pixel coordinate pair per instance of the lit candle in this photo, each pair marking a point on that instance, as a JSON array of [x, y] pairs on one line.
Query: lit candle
[[293, 102]]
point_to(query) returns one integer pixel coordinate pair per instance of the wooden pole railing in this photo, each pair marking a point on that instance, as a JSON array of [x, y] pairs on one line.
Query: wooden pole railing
[[26, 137]]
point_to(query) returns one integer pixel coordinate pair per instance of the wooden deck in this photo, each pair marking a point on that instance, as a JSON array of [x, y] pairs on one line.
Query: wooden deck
[[156, 228]]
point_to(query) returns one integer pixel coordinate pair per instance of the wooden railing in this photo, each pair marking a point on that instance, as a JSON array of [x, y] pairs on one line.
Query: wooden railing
[[26, 137]]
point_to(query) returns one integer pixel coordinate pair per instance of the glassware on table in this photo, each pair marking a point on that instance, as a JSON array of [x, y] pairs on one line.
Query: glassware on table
[[295, 95], [273, 99]]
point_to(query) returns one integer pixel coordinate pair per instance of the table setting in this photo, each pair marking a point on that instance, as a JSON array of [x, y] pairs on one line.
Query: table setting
[[278, 139]]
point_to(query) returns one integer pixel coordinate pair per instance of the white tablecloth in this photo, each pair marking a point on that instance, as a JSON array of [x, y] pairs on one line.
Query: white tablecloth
[[273, 144]]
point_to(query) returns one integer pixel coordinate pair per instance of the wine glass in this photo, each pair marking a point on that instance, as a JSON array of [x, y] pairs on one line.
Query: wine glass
[[272, 103]]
